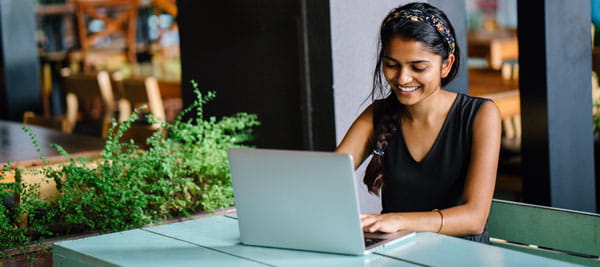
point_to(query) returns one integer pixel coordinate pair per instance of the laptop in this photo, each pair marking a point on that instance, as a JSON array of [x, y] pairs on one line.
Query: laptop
[[301, 200]]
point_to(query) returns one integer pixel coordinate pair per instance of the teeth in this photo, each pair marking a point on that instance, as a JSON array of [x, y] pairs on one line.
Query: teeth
[[408, 89]]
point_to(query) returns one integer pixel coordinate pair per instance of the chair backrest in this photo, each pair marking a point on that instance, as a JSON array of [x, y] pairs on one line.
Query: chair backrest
[[133, 93], [30, 118], [136, 92], [118, 16], [169, 6], [90, 98], [557, 229]]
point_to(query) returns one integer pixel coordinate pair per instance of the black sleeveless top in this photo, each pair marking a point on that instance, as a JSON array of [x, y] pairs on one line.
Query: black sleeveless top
[[437, 181]]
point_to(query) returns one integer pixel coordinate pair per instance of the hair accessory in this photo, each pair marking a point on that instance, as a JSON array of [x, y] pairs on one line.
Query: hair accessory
[[442, 217], [434, 21], [378, 152]]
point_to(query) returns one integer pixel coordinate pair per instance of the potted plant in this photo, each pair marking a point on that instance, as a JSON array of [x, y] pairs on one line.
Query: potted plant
[[183, 171]]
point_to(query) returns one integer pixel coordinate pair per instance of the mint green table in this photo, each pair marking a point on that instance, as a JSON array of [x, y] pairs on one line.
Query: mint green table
[[214, 241]]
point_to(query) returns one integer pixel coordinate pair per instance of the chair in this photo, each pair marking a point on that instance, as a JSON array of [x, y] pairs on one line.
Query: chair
[[46, 119], [118, 16], [30, 118], [561, 234], [90, 102], [135, 92], [168, 6]]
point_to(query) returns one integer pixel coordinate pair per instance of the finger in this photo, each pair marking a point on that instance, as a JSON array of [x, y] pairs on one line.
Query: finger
[[366, 225], [367, 220], [374, 227]]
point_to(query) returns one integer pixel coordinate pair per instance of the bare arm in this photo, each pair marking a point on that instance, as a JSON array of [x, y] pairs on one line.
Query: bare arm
[[470, 217], [356, 140]]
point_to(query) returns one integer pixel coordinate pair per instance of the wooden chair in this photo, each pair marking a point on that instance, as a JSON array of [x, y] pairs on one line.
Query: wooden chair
[[509, 104], [30, 118], [119, 17], [134, 93], [45, 119], [90, 102], [561, 234]]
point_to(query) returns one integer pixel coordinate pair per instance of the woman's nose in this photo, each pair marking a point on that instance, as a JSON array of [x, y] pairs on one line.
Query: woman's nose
[[404, 76]]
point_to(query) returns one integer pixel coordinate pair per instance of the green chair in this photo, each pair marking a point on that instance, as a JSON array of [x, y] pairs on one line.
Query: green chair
[[561, 234]]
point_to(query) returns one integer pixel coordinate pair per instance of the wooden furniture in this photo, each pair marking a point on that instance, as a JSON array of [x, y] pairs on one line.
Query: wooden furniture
[[170, 92], [30, 118], [137, 92], [484, 81], [16, 146], [509, 104], [556, 233], [496, 47], [90, 102], [45, 119], [214, 241], [168, 6], [119, 17], [133, 94]]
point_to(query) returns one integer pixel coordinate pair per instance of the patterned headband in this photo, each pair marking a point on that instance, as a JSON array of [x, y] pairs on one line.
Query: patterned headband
[[435, 22]]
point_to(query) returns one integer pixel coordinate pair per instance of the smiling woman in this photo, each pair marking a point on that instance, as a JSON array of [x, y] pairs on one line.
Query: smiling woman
[[434, 152], [410, 69]]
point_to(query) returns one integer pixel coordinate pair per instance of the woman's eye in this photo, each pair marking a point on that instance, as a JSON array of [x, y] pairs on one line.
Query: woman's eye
[[392, 66], [419, 69]]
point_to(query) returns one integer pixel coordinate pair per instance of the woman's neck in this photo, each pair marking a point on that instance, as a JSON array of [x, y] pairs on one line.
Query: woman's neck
[[431, 108]]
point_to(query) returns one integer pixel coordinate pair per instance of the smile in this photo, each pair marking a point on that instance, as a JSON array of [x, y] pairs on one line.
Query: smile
[[408, 89]]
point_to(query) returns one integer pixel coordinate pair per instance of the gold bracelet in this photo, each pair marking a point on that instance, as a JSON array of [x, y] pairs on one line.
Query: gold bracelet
[[441, 217]]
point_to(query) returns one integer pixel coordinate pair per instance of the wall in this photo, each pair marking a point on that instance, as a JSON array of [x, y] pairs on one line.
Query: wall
[[354, 32]]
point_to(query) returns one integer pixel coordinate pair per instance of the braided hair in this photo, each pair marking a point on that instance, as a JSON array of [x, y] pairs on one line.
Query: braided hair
[[419, 22]]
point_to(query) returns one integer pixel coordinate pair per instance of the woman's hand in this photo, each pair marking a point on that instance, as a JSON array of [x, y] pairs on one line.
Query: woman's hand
[[387, 223]]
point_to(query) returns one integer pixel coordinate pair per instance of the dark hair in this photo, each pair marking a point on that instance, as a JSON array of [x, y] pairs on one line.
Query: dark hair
[[440, 40]]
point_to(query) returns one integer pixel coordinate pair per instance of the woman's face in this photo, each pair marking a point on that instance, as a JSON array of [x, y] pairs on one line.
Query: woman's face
[[412, 71]]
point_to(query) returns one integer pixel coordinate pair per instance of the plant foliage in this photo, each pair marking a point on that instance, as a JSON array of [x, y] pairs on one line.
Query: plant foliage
[[183, 170]]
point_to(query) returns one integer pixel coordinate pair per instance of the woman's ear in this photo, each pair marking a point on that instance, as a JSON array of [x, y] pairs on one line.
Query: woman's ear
[[447, 65]]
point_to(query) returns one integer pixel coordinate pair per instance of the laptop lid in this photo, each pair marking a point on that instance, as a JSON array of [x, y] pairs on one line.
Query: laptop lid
[[297, 199]]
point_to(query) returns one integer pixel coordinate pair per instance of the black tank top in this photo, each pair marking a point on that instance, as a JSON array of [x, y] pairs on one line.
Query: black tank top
[[437, 181]]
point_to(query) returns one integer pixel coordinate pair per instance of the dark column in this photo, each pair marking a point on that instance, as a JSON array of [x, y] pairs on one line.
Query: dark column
[[316, 76], [19, 69], [271, 58], [556, 105], [457, 12]]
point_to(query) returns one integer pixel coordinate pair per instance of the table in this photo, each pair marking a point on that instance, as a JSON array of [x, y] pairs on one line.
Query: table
[[16, 146], [214, 241], [496, 47]]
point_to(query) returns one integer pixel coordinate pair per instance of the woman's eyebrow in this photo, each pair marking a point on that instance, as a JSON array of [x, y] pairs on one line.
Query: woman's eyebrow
[[411, 62]]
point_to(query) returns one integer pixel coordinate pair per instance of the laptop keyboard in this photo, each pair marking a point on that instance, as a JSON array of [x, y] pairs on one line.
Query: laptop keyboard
[[370, 241]]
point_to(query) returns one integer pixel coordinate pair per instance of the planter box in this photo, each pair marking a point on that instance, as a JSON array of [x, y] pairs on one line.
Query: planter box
[[47, 186], [41, 254]]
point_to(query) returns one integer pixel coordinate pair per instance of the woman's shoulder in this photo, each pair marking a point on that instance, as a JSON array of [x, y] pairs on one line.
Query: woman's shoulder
[[472, 103], [469, 107], [469, 99]]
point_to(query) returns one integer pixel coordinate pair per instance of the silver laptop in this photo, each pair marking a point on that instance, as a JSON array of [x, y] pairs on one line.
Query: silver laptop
[[301, 200]]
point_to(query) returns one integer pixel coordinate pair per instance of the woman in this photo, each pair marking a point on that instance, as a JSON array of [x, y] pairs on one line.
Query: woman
[[434, 152]]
